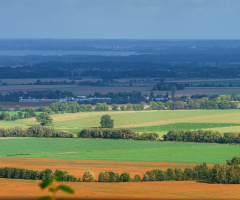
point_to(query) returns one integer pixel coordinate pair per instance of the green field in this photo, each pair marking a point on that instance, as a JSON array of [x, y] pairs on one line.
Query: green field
[[126, 150], [183, 126], [141, 121], [121, 150]]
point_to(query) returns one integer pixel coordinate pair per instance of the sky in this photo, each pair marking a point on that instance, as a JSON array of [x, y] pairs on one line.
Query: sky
[[120, 19]]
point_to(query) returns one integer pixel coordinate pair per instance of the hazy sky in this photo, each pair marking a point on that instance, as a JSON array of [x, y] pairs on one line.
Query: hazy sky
[[120, 19]]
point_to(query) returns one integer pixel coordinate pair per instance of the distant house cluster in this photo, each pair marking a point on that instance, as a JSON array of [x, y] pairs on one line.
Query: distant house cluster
[[38, 100], [79, 98]]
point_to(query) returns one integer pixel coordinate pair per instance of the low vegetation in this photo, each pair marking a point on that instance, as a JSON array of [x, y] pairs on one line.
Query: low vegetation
[[225, 174], [34, 131], [20, 173], [113, 133], [202, 136]]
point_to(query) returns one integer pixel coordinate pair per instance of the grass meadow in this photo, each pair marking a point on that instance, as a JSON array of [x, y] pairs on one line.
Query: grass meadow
[[117, 150], [142, 121], [127, 150]]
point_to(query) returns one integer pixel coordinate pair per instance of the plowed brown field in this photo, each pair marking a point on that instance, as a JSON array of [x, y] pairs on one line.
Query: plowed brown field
[[24, 189], [78, 167]]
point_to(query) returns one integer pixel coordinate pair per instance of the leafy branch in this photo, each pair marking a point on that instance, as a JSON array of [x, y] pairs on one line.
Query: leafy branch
[[47, 183]]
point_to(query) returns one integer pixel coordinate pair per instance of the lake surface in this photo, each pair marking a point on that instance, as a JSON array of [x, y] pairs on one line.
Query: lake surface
[[63, 53]]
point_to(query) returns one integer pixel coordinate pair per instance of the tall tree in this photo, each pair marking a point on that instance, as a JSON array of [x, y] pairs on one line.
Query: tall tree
[[44, 118], [106, 121]]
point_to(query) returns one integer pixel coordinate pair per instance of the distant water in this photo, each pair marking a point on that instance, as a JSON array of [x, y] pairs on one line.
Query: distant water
[[63, 53]]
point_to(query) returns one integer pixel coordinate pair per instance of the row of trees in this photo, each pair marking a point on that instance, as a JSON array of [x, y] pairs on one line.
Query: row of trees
[[29, 112], [113, 133], [34, 131], [221, 102], [20, 173], [49, 132], [108, 133], [50, 94], [70, 107], [224, 174], [202, 136], [128, 107], [17, 108], [74, 107], [168, 86]]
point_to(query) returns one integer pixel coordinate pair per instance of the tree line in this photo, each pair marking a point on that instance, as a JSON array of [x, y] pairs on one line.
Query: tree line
[[113, 133], [50, 94], [206, 136], [34, 131], [221, 102], [40, 131], [163, 86], [224, 174], [28, 113], [21, 173]]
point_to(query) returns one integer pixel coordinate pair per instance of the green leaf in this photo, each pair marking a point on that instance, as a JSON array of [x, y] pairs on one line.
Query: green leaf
[[45, 198], [45, 183], [53, 190], [66, 189]]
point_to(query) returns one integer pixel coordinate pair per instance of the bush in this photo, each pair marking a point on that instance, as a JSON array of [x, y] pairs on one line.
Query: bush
[[149, 136], [156, 175], [90, 133], [125, 177], [46, 174], [137, 178], [108, 176], [40, 131], [18, 132], [101, 107], [88, 176], [145, 177], [64, 134], [5, 116]]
